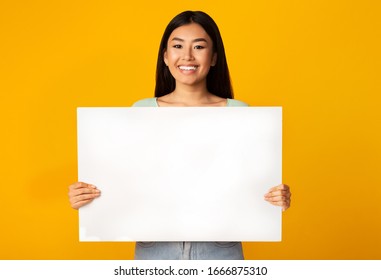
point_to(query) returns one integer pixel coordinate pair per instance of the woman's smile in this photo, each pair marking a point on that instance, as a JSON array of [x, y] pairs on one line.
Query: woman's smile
[[188, 68]]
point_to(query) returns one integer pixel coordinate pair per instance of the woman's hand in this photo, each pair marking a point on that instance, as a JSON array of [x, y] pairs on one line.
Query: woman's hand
[[279, 196], [81, 194]]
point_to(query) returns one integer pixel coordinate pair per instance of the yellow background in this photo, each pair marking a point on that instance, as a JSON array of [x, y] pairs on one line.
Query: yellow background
[[320, 60]]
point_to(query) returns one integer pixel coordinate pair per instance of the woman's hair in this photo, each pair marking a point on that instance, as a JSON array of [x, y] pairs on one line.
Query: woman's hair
[[218, 79]]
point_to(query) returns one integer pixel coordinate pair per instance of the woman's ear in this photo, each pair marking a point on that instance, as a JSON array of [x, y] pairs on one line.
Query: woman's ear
[[214, 59], [165, 57]]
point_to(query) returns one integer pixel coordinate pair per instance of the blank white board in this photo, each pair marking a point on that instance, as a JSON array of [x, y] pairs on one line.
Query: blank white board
[[180, 174]]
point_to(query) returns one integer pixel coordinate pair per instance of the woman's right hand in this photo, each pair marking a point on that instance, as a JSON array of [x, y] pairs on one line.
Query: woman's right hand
[[81, 194]]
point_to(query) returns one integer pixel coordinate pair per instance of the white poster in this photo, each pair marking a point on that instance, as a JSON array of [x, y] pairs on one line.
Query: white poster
[[180, 174]]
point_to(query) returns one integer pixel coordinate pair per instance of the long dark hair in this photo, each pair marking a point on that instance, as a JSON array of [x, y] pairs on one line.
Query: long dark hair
[[218, 79]]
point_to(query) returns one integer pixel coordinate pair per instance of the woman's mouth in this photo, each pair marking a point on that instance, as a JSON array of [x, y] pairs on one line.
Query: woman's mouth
[[188, 68]]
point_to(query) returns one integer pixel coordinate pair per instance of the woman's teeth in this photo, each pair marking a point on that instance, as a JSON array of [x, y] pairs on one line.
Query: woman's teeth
[[188, 68]]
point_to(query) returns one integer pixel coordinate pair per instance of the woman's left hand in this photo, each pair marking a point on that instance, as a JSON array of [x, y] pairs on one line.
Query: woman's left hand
[[279, 196]]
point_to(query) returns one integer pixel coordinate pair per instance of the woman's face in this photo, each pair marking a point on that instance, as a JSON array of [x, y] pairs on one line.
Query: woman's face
[[189, 55]]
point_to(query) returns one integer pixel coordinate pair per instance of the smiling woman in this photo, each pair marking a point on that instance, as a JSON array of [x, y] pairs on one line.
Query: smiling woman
[[191, 71]]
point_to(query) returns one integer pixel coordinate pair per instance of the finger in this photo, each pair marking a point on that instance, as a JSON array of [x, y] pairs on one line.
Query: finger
[[277, 203], [82, 191], [278, 193], [83, 197], [276, 198], [81, 188], [273, 189], [284, 204], [79, 204], [279, 187], [79, 185]]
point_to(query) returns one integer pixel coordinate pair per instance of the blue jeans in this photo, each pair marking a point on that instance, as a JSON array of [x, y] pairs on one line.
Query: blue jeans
[[188, 251]]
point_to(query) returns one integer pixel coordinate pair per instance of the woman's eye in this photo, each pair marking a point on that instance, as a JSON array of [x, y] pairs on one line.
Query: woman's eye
[[177, 46], [199, 47]]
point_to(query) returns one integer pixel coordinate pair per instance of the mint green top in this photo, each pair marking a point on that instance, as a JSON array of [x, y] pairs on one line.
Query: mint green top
[[152, 102]]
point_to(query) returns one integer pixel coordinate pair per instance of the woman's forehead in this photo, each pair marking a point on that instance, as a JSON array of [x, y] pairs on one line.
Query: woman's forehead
[[189, 32]]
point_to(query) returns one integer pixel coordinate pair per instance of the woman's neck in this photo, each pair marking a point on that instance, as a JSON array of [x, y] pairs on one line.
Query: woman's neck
[[191, 97]]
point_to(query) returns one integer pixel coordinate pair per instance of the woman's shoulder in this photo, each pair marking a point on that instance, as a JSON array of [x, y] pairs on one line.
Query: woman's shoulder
[[236, 103], [146, 102]]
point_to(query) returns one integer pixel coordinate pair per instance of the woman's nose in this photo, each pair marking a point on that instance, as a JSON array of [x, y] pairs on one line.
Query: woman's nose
[[188, 54]]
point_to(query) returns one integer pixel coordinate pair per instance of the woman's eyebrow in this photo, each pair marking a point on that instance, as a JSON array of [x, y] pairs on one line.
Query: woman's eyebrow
[[195, 40]]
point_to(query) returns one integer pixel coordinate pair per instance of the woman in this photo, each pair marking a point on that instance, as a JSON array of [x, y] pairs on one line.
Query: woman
[[191, 71]]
